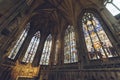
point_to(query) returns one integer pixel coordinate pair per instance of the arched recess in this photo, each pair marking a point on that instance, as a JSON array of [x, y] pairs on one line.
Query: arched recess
[[98, 39], [19, 43], [46, 51], [70, 51], [32, 48]]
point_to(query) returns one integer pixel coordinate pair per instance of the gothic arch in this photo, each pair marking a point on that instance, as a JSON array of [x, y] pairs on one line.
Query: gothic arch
[[94, 15], [44, 60], [32, 48], [98, 14]]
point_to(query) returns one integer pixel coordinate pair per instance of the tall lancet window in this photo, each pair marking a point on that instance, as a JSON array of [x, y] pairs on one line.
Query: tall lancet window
[[20, 41], [97, 42], [32, 48], [70, 51], [113, 6], [46, 51]]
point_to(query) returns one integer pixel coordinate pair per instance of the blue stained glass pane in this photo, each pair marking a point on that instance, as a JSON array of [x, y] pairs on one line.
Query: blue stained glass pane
[[97, 39]]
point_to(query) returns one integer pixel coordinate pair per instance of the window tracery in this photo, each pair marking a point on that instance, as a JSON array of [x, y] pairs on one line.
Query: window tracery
[[70, 51], [46, 51], [32, 48], [97, 42]]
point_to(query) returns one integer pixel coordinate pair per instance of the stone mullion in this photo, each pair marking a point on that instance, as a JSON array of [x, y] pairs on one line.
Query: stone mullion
[[35, 44], [47, 51], [29, 53]]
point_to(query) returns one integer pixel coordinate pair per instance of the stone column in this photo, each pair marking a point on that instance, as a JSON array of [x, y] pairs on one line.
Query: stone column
[[53, 49], [60, 59], [80, 42], [80, 45]]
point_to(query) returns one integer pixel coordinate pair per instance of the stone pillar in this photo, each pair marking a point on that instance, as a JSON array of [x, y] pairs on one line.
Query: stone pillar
[[36, 60], [53, 50], [25, 45], [80, 45], [80, 42], [60, 59]]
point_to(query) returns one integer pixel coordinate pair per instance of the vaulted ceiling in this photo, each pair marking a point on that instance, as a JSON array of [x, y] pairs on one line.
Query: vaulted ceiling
[[58, 13], [50, 14]]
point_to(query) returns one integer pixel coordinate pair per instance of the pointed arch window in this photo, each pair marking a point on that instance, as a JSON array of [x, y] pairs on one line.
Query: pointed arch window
[[113, 6], [46, 51], [32, 48], [20, 41], [70, 51], [97, 42]]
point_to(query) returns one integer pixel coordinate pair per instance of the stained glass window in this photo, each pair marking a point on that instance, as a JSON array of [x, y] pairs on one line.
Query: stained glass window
[[46, 51], [70, 51], [113, 6], [19, 43], [97, 42], [32, 48]]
